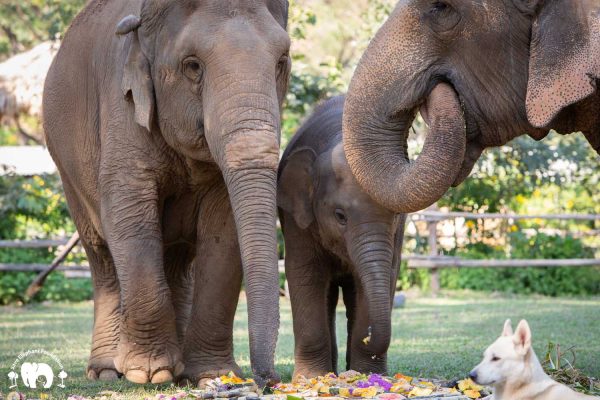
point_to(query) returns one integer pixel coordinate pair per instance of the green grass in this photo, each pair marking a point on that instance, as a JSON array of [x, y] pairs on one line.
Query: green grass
[[436, 338]]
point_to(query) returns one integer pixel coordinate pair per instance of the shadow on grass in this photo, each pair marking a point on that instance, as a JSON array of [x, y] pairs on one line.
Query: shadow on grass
[[435, 338]]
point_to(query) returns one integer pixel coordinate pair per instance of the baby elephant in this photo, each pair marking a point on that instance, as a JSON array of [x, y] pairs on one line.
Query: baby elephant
[[335, 236]]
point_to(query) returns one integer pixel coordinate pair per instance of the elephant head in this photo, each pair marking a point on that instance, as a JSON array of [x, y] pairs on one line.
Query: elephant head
[[481, 72], [352, 226], [210, 78], [30, 373]]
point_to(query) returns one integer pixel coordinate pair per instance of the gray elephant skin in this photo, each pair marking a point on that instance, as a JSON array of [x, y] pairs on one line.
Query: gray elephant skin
[[335, 236], [164, 120], [481, 73]]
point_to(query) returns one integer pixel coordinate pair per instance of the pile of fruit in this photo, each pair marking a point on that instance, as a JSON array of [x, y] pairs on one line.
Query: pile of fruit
[[348, 385], [352, 384]]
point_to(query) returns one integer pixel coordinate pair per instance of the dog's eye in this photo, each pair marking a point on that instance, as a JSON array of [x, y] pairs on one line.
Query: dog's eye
[[495, 358]]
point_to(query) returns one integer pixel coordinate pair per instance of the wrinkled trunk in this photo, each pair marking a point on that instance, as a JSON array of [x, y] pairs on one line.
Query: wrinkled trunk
[[377, 152], [242, 125], [393, 79], [371, 253], [252, 194]]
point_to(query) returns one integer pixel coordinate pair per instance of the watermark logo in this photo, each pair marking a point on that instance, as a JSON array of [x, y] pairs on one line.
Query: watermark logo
[[30, 370]]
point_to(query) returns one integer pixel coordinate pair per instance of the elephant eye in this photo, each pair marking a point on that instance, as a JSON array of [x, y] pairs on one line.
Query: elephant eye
[[192, 68], [438, 6], [340, 216], [282, 64], [442, 16]]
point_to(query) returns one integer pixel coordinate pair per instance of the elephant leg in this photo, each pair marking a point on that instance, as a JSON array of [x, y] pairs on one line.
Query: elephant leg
[[332, 300], [178, 260], [360, 359], [107, 304], [107, 313], [349, 295], [308, 272], [311, 315], [208, 345], [148, 349]]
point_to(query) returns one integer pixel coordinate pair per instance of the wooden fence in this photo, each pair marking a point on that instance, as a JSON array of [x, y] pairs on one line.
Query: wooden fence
[[432, 261]]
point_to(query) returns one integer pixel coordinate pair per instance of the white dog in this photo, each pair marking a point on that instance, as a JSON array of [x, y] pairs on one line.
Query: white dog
[[511, 367]]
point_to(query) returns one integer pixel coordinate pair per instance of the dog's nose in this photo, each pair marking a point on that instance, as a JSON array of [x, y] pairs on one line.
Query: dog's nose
[[473, 375]]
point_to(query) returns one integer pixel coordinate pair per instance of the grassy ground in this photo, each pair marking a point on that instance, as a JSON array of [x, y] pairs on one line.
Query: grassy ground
[[440, 338]]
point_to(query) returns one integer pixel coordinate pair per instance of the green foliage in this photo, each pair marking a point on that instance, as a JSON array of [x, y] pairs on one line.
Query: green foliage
[[505, 177], [35, 207], [307, 86], [26, 23], [57, 288], [305, 90], [409, 278], [550, 281], [32, 207]]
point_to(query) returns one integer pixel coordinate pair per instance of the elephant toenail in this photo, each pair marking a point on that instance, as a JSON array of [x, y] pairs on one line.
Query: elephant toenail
[[108, 375], [162, 376], [136, 376]]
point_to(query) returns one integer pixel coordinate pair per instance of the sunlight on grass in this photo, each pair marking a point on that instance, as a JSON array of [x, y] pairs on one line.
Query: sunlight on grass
[[433, 337]]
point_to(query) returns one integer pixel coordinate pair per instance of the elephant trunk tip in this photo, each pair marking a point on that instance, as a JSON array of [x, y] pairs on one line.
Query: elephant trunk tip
[[376, 149]]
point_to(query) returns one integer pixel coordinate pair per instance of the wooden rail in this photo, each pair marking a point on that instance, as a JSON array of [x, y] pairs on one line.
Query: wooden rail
[[440, 216], [432, 261], [448, 262], [32, 244]]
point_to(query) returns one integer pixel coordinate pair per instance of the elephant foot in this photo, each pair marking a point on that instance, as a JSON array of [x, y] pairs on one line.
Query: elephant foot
[[200, 378], [102, 369], [139, 366], [310, 372], [266, 379]]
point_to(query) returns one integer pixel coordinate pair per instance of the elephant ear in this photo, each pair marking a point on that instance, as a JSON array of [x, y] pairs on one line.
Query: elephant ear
[[564, 57], [137, 79], [296, 187]]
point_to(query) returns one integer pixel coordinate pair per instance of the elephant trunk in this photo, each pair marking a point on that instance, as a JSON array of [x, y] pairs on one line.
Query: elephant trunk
[[252, 194], [393, 79], [371, 253], [242, 128], [377, 151]]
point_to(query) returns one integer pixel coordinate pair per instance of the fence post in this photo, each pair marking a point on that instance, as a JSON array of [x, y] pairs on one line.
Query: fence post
[[433, 252]]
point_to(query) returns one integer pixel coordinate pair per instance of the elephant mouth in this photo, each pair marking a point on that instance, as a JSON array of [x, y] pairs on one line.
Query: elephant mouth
[[472, 129]]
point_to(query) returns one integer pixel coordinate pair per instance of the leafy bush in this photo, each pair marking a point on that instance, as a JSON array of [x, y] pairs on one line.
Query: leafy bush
[[56, 288], [550, 281], [32, 207]]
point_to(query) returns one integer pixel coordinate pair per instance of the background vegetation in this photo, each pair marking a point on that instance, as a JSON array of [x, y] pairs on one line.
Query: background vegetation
[[559, 174]]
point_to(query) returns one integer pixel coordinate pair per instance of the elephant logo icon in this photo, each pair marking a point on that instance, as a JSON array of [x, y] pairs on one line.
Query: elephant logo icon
[[36, 374], [31, 374]]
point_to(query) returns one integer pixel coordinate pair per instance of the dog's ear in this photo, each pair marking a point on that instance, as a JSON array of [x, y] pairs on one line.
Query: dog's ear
[[507, 331], [296, 186], [522, 337]]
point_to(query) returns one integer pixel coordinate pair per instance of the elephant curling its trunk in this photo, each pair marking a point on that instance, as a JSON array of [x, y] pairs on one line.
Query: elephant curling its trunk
[[391, 82], [376, 148]]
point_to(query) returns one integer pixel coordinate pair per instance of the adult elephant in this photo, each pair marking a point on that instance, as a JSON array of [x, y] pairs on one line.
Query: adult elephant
[[494, 69], [166, 136]]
